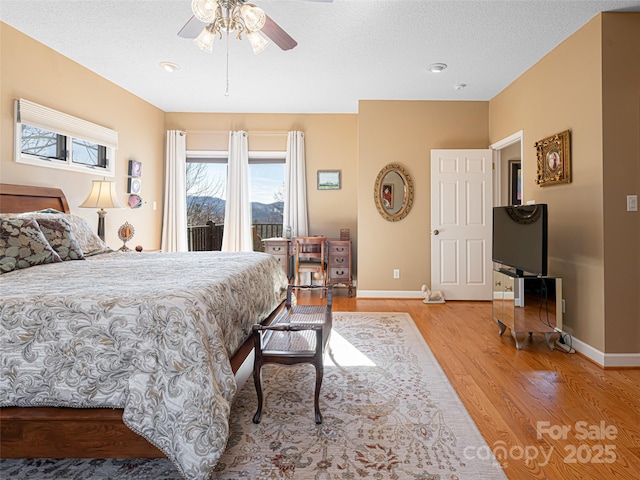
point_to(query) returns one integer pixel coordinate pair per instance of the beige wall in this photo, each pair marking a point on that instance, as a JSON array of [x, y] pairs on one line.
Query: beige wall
[[34, 72], [406, 132], [621, 173], [330, 144], [565, 91]]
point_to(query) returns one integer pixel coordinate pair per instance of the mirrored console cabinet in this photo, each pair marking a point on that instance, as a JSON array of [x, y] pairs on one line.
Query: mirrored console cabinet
[[527, 305]]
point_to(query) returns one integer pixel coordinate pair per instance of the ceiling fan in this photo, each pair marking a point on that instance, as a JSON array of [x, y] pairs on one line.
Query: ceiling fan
[[212, 17]]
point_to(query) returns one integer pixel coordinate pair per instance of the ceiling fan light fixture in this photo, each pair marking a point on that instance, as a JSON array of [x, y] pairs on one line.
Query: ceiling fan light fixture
[[204, 10], [204, 41], [254, 17], [437, 67], [257, 41], [222, 17]]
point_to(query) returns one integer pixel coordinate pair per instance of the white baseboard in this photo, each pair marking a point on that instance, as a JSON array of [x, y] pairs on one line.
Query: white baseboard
[[606, 359], [622, 360], [388, 294]]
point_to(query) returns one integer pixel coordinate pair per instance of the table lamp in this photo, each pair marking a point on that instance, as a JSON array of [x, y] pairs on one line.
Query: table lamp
[[102, 195]]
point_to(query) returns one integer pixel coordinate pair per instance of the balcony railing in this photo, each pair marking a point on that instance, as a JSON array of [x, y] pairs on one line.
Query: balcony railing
[[209, 236]]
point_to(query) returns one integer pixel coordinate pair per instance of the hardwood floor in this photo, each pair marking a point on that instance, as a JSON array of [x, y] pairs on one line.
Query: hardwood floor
[[514, 395]]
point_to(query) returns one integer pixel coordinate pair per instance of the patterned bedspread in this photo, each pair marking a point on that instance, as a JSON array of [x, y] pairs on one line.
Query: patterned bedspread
[[150, 333]]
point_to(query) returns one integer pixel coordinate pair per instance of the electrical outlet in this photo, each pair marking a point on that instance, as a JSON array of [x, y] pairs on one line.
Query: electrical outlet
[[396, 273]]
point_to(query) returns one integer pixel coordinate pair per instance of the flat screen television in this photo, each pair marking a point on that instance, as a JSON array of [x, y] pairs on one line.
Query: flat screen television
[[520, 238]]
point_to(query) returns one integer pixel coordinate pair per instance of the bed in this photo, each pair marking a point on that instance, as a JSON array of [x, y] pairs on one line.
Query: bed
[[126, 354]]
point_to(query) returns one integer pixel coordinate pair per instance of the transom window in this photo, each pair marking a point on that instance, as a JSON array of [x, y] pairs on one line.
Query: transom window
[[48, 138]]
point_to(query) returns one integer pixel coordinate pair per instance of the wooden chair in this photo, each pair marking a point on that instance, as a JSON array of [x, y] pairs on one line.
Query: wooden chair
[[310, 257], [300, 334]]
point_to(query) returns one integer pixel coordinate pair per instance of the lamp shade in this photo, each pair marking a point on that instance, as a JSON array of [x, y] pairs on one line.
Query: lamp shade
[[204, 10], [204, 41], [254, 17], [257, 41], [102, 195]]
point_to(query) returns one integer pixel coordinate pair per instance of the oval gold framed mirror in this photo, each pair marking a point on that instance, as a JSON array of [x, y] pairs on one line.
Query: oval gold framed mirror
[[393, 192]]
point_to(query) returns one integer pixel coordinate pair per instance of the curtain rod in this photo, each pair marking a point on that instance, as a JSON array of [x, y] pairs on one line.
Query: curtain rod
[[258, 134]]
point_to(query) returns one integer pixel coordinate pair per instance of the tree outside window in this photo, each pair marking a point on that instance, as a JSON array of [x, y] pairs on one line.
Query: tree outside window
[[206, 196]]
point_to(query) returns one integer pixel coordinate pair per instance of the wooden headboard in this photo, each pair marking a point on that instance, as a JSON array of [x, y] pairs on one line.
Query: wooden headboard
[[24, 198]]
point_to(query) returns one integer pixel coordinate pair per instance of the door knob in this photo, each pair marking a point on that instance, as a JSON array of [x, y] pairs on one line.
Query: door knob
[[436, 232]]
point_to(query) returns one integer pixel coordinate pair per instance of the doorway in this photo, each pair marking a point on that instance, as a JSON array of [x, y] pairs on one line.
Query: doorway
[[461, 252], [461, 213], [508, 170]]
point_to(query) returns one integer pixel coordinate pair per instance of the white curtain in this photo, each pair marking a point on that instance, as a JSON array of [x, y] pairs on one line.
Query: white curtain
[[174, 218], [237, 214], [295, 187]]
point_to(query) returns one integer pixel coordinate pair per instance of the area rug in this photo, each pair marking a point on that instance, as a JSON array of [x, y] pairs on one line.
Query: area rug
[[389, 412]]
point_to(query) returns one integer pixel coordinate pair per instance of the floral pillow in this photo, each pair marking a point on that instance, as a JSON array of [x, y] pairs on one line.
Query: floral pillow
[[23, 245], [58, 233], [88, 242]]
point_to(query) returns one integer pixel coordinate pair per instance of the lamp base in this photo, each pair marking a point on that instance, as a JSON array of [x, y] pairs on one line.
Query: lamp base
[[101, 213]]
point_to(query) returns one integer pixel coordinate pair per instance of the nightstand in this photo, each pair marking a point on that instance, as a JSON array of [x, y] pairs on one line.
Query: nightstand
[[339, 253], [279, 248]]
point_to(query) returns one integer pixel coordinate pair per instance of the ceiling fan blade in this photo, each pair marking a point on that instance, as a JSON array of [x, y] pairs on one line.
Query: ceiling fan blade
[[277, 35], [192, 28]]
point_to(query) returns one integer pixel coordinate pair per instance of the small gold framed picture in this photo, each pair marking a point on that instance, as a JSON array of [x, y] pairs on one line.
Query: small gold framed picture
[[554, 159]]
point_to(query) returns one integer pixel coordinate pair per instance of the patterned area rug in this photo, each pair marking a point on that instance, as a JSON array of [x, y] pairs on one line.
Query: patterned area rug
[[389, 413]]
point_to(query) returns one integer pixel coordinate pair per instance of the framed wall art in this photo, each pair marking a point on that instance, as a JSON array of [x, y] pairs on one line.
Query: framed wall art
[[554, 159], [134, 185], [135, 168], [329, 180], [134, 201]]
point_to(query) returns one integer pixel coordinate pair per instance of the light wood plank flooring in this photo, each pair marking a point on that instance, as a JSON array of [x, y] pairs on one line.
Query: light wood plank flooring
[[508, 392]]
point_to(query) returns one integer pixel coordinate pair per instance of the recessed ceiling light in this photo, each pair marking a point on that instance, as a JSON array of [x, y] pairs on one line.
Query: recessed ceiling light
[[169, 67], [437, 67], [459, 86]]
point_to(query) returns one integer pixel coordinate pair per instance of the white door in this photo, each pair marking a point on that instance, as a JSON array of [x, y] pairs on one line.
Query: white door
[[461, 219]]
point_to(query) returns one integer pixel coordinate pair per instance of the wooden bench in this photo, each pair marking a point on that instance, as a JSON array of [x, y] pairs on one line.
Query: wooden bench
[[300, 334]]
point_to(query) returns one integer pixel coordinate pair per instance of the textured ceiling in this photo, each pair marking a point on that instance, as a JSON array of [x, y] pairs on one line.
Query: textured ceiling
[[348, 50]]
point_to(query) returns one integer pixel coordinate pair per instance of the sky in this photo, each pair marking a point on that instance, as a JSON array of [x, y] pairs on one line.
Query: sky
[[265, 179]]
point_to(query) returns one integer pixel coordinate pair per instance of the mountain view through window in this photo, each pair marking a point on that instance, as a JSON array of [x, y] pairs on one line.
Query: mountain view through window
[[206, 197]]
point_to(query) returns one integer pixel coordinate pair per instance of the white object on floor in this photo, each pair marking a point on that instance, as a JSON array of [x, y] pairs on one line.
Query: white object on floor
[[435, 296]]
